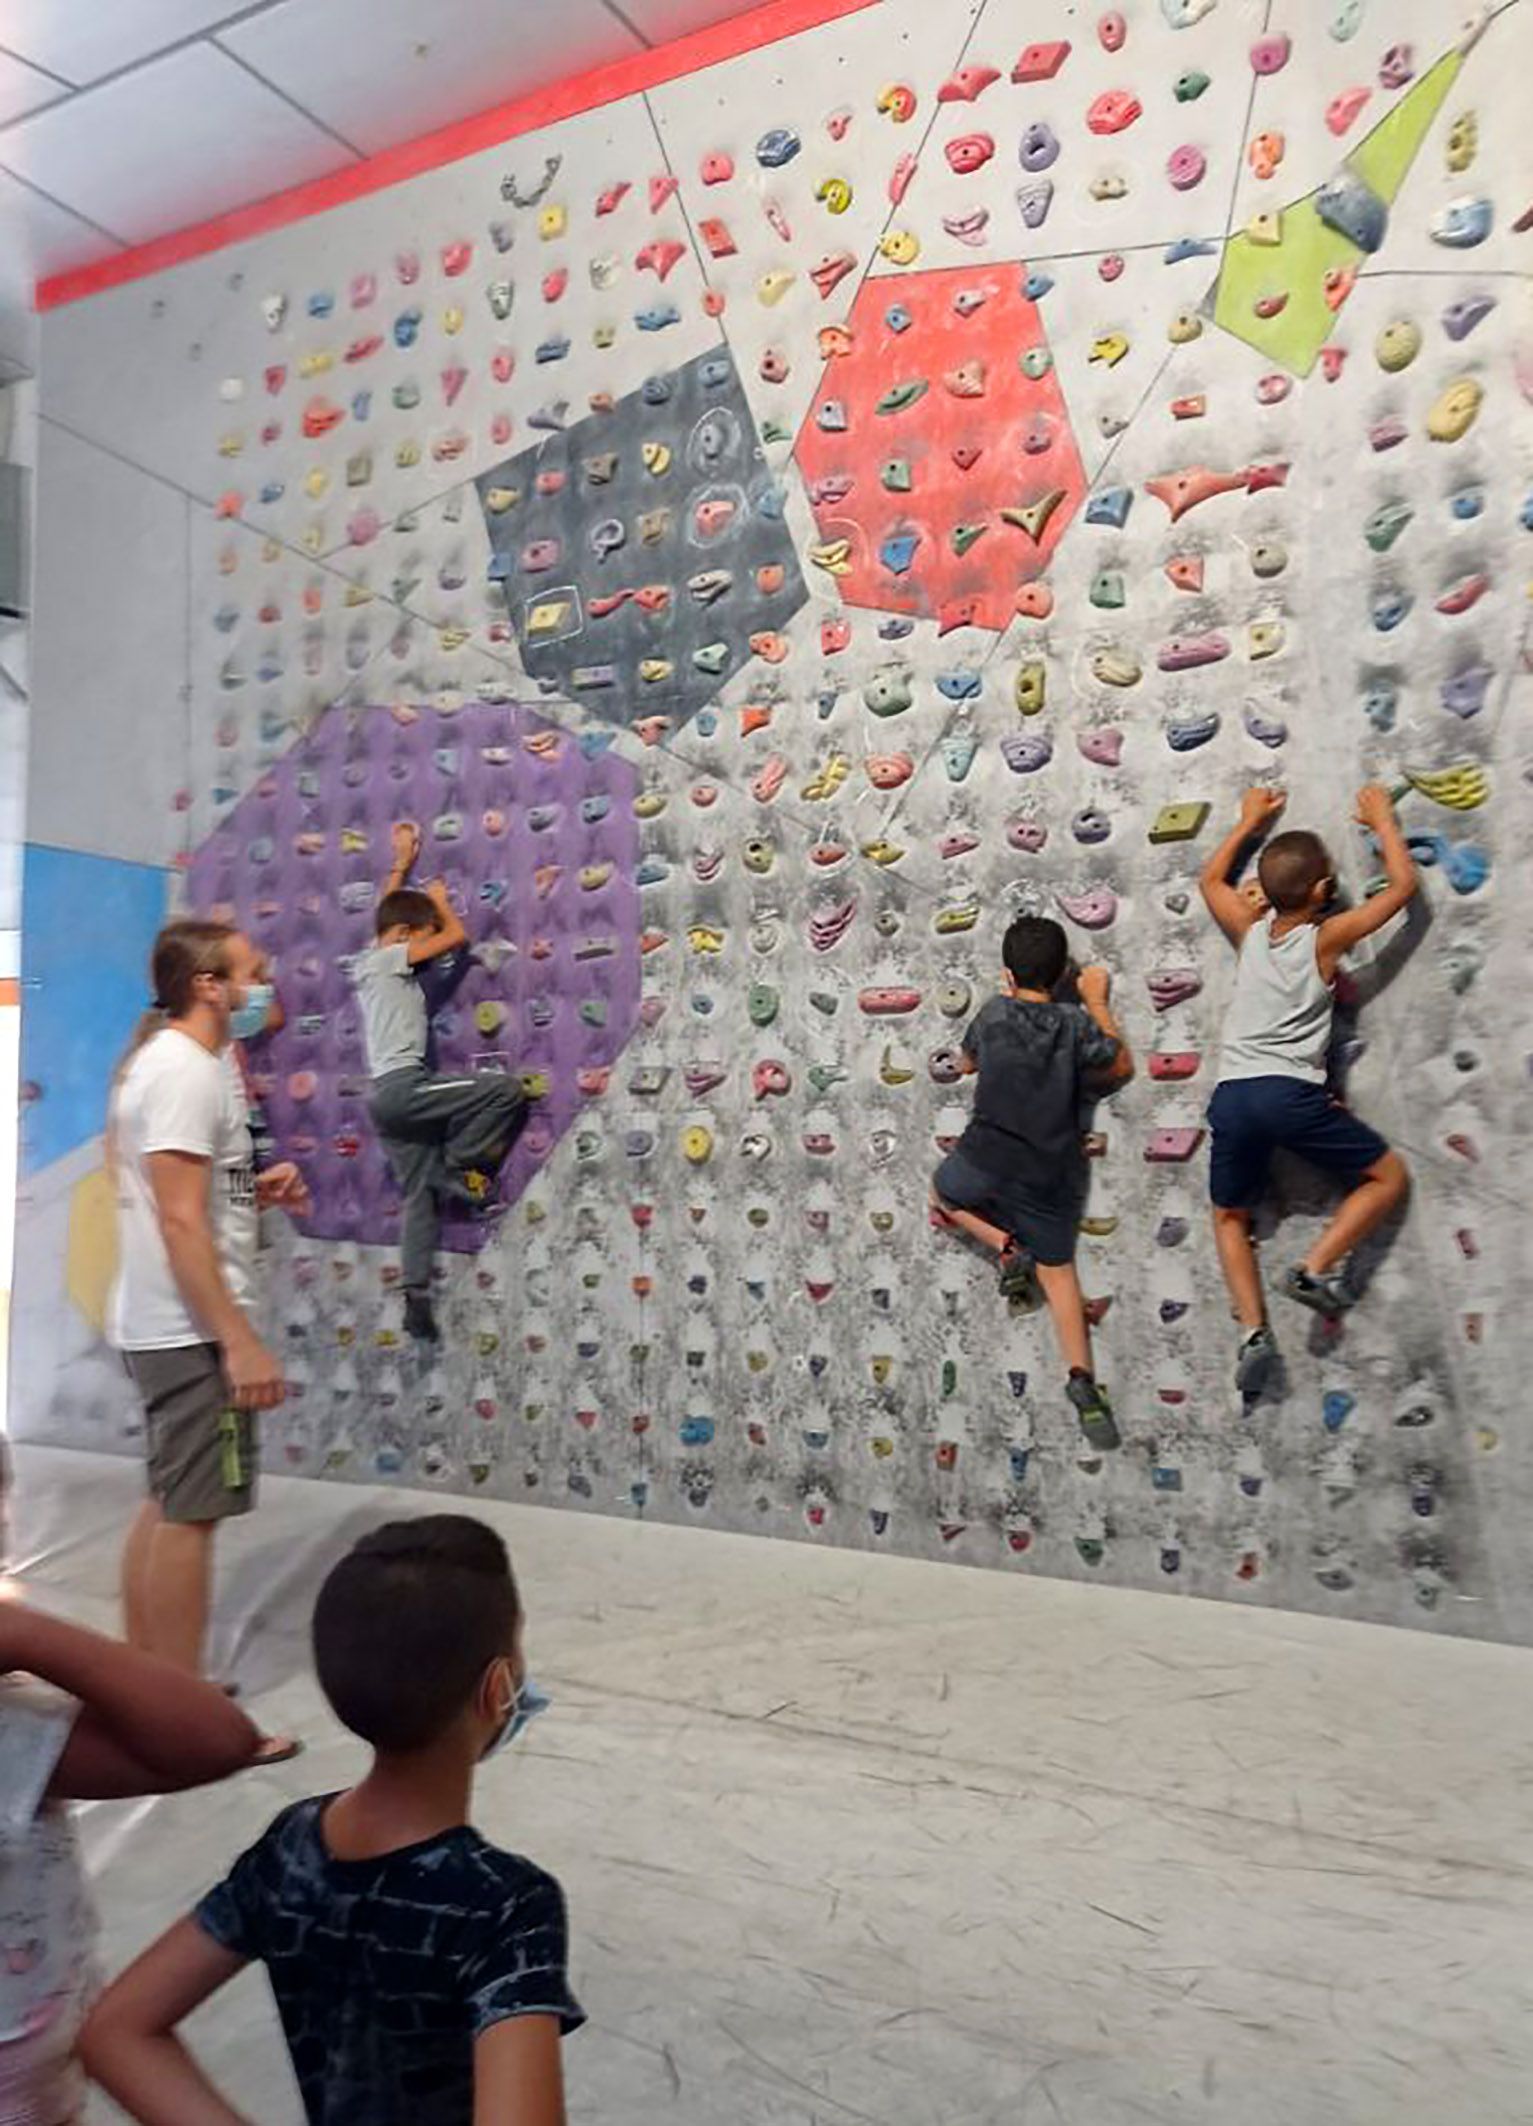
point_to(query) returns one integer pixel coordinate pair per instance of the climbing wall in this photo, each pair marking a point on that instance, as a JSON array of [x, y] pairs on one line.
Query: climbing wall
[[768, 533]]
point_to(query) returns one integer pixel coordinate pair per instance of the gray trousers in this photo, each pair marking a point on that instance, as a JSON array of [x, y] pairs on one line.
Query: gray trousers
[[433, 1130]]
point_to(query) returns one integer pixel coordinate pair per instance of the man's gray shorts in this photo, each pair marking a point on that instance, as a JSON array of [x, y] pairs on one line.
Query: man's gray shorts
[[202, 1451]]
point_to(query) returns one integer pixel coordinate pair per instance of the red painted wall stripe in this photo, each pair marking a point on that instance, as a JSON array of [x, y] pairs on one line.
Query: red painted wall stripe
[[764, 24]]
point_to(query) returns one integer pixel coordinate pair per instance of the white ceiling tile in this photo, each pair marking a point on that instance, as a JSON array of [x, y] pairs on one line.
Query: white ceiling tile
[[662, 19], [84, 39], [176, 142], [23, 89], [381, 71]]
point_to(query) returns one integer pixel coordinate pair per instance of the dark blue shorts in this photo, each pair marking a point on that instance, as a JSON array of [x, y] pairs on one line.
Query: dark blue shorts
[[1251, 1118], [1046, 1230]]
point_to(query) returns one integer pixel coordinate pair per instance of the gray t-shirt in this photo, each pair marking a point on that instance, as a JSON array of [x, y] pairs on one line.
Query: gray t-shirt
[[1279, 1023], [1035, 1061], [393, 1009]]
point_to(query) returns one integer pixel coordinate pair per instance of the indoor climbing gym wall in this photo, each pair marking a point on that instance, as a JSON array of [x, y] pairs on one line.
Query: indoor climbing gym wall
[[768, 531]]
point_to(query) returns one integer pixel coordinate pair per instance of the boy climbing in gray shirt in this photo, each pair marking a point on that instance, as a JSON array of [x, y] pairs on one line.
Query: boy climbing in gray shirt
[[1271, 1093], [445, 1138]]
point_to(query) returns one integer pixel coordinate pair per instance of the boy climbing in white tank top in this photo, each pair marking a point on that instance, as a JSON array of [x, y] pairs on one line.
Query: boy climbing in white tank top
[[1271, 1092]]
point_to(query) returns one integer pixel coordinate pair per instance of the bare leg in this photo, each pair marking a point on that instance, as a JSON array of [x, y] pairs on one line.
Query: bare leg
[[977, 1228], [1381, 1190], [135, 1574], [1237, 1258], [177, 1583], [1062, 1290]]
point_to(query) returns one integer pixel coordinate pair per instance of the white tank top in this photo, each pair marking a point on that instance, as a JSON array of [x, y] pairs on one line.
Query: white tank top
[[1279, 1023]]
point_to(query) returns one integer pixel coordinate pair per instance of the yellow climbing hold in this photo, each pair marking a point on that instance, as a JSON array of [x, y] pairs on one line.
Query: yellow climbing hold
[[1109, 348], [827, 780], [834, 556], [1456, 410], [1032, 687], [773, 286], [552, 222], [834, 195], [902, 247], [1185, 325], [1462, 788], [696, 1144]]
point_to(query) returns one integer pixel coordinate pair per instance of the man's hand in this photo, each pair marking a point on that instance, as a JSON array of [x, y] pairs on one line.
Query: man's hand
[[254, 1376], [1093, 985], [1260, 807], [407, 843], [1375, 807], [283, 1188]]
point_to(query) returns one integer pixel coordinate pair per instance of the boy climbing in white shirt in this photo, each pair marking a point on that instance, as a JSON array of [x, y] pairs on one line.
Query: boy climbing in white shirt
[[1272, 1092]]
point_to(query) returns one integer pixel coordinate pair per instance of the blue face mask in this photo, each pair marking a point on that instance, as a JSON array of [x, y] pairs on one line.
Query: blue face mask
[[525, 1706], [249, 1019]]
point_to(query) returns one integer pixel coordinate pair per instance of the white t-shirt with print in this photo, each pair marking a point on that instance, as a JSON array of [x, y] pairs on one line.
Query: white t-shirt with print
[[177, 1097], [47, 1925]]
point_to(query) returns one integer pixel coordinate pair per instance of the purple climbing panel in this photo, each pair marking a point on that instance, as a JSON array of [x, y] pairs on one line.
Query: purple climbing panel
[[533, 830]]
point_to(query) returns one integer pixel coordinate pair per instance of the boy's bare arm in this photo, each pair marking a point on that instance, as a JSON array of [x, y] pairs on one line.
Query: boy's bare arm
[[1339, 933], [449, 935], [130, 2044], [1258, 809], [1092, 984], [518, 2074], [407, 847]]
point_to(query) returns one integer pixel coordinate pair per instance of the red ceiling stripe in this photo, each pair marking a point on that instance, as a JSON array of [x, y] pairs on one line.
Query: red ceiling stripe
[[763, 24]]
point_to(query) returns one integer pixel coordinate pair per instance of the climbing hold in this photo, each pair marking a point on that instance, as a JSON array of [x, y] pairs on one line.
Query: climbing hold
[[1025, 753], [1092, 910], [1344, 108], [1350, 206], [1038, 148], [1460, 318], [1186, 733], [898, 103], [1185, 326], [1109, 185], [1466, 593], [1269, 55], [901, 247], [967, 84], [1102, 744], [1116, 668], [1185, 653], [1188, 87], [776, 147], [1033, 518], [1463, 693], [1185, 571], [1031, 688], [1109, 349], [1111, 267], [1172, 1147], [968, 228], [1107, 589], [1455, 411], [1041, 62], [969, 152], [1035, 601], [1186, 167], [1398, 344], [1463, 143], [1114, 111], [1386, 524], [1091, 825], [834, 195], [1110, 505], [1462, 224]]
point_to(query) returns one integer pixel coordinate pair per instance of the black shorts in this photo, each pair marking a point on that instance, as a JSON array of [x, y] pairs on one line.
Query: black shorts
[[1251, 1118], [202, 1451], [1047, 1230]]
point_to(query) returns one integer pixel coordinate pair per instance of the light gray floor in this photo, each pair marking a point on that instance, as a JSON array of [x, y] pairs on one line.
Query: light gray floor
[[862, 1839]]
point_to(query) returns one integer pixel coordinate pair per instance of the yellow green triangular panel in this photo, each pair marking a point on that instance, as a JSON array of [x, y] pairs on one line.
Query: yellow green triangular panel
[[1298, 265]]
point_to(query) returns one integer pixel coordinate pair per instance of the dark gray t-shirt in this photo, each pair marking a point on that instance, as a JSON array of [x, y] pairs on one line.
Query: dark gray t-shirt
[[1032, 1060], [393, 1008]]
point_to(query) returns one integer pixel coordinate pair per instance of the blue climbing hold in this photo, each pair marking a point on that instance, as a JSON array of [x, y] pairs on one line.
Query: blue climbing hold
[[898, 318], [1463, 693], [1381, 700], [959, 686], [1187, 733], [898, 552], [1110, 505], [1336, 1408], [1189, 247], [1037, 285], [1460, 318], [895, 628]]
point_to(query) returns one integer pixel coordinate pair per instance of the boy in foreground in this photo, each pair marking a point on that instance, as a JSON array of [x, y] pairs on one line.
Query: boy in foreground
[[419, 1971], [1272, 1068], [1016, 1179], [445, 1138]]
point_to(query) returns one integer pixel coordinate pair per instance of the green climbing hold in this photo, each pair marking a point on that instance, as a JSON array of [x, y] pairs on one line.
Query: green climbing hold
[[1386, 524], [1190, 86], [1035, 362], [965, 535], [899, 396], [1107, 589], [761, 1003], [896, 476]]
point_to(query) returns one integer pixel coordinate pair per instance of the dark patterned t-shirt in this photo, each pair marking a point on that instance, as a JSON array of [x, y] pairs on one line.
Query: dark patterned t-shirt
[[1035, 1062], [385, 1971]]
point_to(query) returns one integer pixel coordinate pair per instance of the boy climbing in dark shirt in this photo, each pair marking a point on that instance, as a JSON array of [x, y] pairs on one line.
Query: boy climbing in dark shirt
[[419, 1971], [1271, 1092], [445, 1138], [1016, 1179]]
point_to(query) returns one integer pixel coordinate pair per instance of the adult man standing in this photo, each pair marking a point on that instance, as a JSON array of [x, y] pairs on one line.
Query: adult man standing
[[189, 1201]]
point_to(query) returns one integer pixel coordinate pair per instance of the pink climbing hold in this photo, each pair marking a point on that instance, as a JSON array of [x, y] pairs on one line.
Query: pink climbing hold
[[717, 168], [1331, 360], [967, 84], [660, 190], [1110, 268], [1112, 32], [1342, 110], [900, 176], [611, 198], [1041, 62], [659, 256], [1269, 55], [1186, 167], [1114, 111], [969, 152]]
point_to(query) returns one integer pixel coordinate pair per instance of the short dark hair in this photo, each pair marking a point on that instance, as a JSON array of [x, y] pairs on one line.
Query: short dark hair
[[1291, 867], [408, 1622], [1036, 952], [408, 905]]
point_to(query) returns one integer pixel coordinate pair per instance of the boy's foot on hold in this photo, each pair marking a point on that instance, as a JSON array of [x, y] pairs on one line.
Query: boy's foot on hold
[[1093, 1409], [420, 1318], [1017, 1281], [1326, 1294], [1254, 1360]]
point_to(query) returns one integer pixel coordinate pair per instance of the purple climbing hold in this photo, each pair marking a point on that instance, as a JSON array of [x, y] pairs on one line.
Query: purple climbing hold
[[1025, 752], [1460, 318]]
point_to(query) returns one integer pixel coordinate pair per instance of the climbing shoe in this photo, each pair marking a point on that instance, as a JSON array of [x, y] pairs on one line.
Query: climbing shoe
[[1254, 1361], [420, 1319], [1091, 1406], [1326, 1295], [1016, 1281]]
